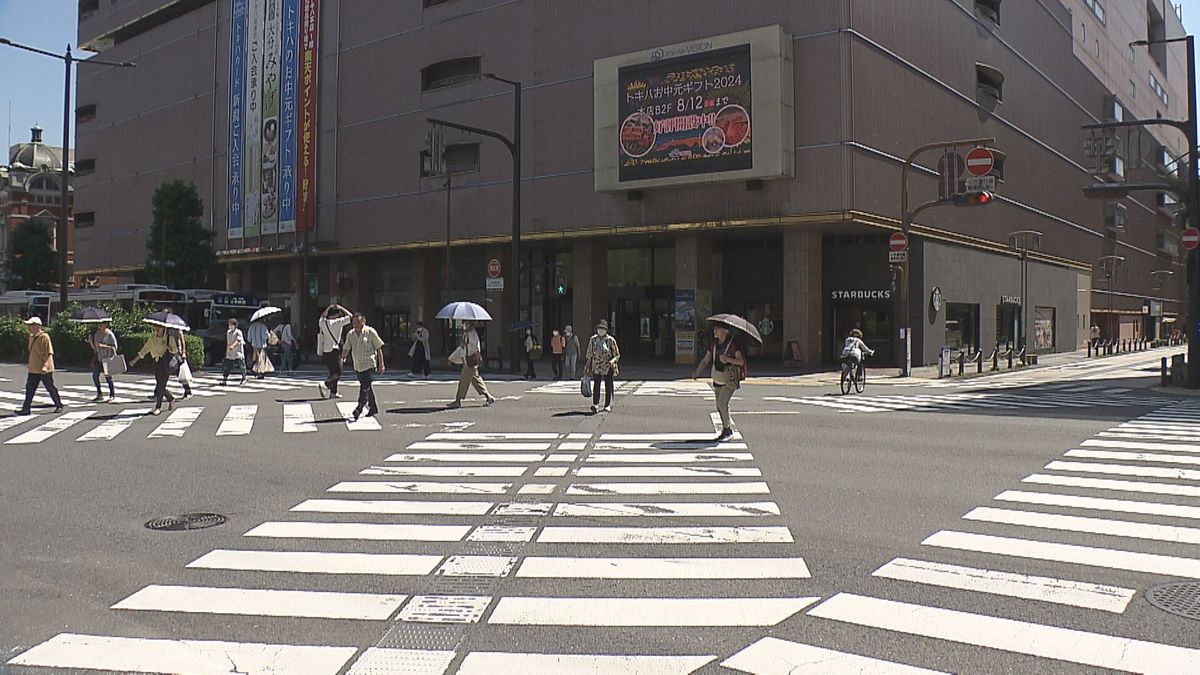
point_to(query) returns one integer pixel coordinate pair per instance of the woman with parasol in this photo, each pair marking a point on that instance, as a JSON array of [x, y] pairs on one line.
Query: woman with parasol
[[728, 360], [161, 349]]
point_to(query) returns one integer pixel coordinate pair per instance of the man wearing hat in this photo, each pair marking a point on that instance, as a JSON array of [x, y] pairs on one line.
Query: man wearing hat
[[601, 363], [41, 366]]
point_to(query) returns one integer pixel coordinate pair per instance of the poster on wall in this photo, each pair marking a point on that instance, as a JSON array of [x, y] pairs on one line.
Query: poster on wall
[[306, 188], [1043, 328], [237, 75], [686, 115], [685, 325], [252, 158], [269, 204], [290, 61]]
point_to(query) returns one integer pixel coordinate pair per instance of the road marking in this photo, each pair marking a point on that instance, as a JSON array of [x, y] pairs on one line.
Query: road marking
[[525, 611], [177, 423], [681, 436], [477, 566], [495, 436], [201, 657], [667, 472], [694, 444], [346, 408], [668, 488], [418, 487], [408, 661], [393, 507], [672, 458], [259, 602], [298, 418], [1134, 456], [551, 471], [502, 533], [664, 568], [1060, 591], [51, 428], [665, 509], [465, 457], [7, 423], [366, 531], [1125, 470], [665, 535], [772, 656], [446, 471], [1074, 646], [445, 609], [1118, 485], [111, 428], [490, 663], [322, 562], [1116, 559], [1115, 528], [572, 445], [510, 446], [238, 421], [1100, 504], [1138, 445]]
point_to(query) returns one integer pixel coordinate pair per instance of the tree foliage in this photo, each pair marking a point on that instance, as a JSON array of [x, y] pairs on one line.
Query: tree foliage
[[191, 261], [30, 261]]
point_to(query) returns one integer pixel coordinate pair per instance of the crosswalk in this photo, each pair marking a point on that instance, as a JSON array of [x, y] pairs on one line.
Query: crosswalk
[[661, 388], [1096, 370], [1047, 398], [512, 530], [1029, 524]]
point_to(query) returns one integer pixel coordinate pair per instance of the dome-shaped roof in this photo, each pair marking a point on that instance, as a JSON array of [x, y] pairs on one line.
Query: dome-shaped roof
[[35, 154]]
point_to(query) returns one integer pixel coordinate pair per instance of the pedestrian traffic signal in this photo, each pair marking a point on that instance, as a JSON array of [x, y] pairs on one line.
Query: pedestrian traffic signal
[[560, 286], [973, 198]]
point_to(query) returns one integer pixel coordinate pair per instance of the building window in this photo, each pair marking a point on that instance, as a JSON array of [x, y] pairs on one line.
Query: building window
[[88, 8], [85, 219], [1096, 7], [84, 166], [988, 9], [450, 73], [1159, 90], [989, 82], [1132, 90], [85, 113], [962, 326]]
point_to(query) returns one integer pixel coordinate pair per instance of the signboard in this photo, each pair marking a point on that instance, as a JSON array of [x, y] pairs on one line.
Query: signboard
[[314, 285], [685, 325], [895, 257], [950, 168], [1191, 238], [495, 283], [494, 268], [980, 162], [877, 294], [252, 145], [980, 184], [1010, 299], [290, 46], [686, 115], [237, 111], [306, 151], [898, 241]]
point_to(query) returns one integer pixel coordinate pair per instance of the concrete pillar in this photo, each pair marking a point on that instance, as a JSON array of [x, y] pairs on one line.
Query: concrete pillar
[[357, 285], [590, 257], [424, 297], [693, 278], [802, 294]]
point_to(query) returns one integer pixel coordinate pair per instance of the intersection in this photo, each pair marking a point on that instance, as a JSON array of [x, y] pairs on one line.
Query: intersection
[[1012, 523]]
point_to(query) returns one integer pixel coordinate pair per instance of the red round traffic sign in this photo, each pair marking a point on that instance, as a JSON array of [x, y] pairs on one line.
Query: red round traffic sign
[[494, 268], [980, 162], [1191, 238], [898, 241]]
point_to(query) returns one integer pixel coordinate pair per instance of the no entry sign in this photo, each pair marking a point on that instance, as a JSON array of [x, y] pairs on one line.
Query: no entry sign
[[494, 268], [980, 162], [898, 241], [1191, 238]]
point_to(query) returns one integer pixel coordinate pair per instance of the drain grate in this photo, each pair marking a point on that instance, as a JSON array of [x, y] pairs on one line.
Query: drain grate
[[1180, 599], [188, 521]]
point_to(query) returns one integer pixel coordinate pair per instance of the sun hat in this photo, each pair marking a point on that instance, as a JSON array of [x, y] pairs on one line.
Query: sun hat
[[603, 324], [34, 321]]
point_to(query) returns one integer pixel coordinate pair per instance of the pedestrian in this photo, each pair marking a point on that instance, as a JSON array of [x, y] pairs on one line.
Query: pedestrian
[[258, 335], [331, 330], [41, 366], [104, 345], [728, 367], [420, 351], [184, 373], [235, 352], [1095, 335], [531, 344], [600, 362], [472, 358], [364, 350], [572, 351], [557, 346], [288, 340], [160, 350]]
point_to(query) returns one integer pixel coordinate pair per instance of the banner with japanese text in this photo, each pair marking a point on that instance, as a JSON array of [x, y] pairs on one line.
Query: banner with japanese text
[[306, 190], [269, 205], [237, 81], [290, 62], [254, 117]]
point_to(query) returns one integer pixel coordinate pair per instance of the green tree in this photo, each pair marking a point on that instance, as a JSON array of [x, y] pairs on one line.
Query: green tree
[[30, 261], [191, 261]]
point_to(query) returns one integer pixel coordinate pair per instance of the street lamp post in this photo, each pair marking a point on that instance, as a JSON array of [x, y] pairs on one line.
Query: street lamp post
[[68, 60], [1024, 241], [1110, 263]]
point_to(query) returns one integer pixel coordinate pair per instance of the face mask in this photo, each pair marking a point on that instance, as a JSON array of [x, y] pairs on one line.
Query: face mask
[[601, 331]]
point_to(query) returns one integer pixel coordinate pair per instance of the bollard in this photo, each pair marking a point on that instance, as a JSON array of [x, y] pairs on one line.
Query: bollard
[[1010, 358], [1089, 349], [1165, 380], [996, 358], [979, 361], [962, 358]]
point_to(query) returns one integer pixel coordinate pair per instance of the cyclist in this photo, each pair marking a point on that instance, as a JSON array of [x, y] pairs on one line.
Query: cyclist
[[853, 350]]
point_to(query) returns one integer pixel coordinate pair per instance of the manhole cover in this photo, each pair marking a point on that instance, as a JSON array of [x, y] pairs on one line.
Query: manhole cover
[[1180, 599], [188, 521]]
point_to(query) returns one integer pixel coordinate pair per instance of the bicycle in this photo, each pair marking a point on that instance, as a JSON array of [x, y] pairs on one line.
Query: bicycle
[[853, 376]]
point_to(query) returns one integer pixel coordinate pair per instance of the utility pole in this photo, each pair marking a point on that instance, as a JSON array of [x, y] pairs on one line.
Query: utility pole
[[1023, 241]]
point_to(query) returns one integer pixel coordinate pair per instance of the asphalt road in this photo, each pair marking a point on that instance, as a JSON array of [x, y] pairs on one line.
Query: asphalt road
[[534, 537]]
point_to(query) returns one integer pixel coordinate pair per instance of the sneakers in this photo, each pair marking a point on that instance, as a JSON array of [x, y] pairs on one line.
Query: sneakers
[[321, 390], [98, 399], [355, 416], [22, 413], [490, 400], [111, 399], [725, 435], [608, 408], [337, 395], [242, 381], [156, 412], [595, 408], [454, 404], [58, 409]]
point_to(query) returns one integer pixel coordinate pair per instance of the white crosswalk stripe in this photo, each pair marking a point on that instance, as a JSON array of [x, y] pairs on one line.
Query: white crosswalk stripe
[[51, 428], [298, 418], [972, 401], [113, 427], [772, 656], [239, 421], [177, 423]]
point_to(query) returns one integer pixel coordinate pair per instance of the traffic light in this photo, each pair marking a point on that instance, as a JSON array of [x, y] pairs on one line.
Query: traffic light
[[560, 285], [974, 198]]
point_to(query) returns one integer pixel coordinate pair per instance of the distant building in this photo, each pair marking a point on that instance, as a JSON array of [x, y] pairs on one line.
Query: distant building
[[30, 186]]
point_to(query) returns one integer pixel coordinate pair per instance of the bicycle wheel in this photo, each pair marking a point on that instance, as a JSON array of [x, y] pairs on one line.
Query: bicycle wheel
[[846, 379], [860, 382]]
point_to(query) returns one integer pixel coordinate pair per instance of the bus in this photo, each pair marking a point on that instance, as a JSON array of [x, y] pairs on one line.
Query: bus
[[132, 295], [26, 304], [208, 312]]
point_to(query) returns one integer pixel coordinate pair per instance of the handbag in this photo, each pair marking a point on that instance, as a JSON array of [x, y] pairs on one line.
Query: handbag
[[585, 386], [457, 356], [174, 362], [475, 360], [114, 365], [272, 338]]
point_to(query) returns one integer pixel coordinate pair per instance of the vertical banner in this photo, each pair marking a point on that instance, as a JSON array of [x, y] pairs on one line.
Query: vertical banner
[[253, 153], [237, 82], [306, 192], [287, 115], [270, 118]]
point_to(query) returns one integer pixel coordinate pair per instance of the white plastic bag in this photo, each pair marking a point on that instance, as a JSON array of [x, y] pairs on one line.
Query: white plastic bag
[[457, 356]]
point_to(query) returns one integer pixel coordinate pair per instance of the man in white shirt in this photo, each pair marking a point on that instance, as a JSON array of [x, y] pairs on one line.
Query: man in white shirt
[[235, 352], [288, 340], [469, 375], [329, 346], [364, 350]]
